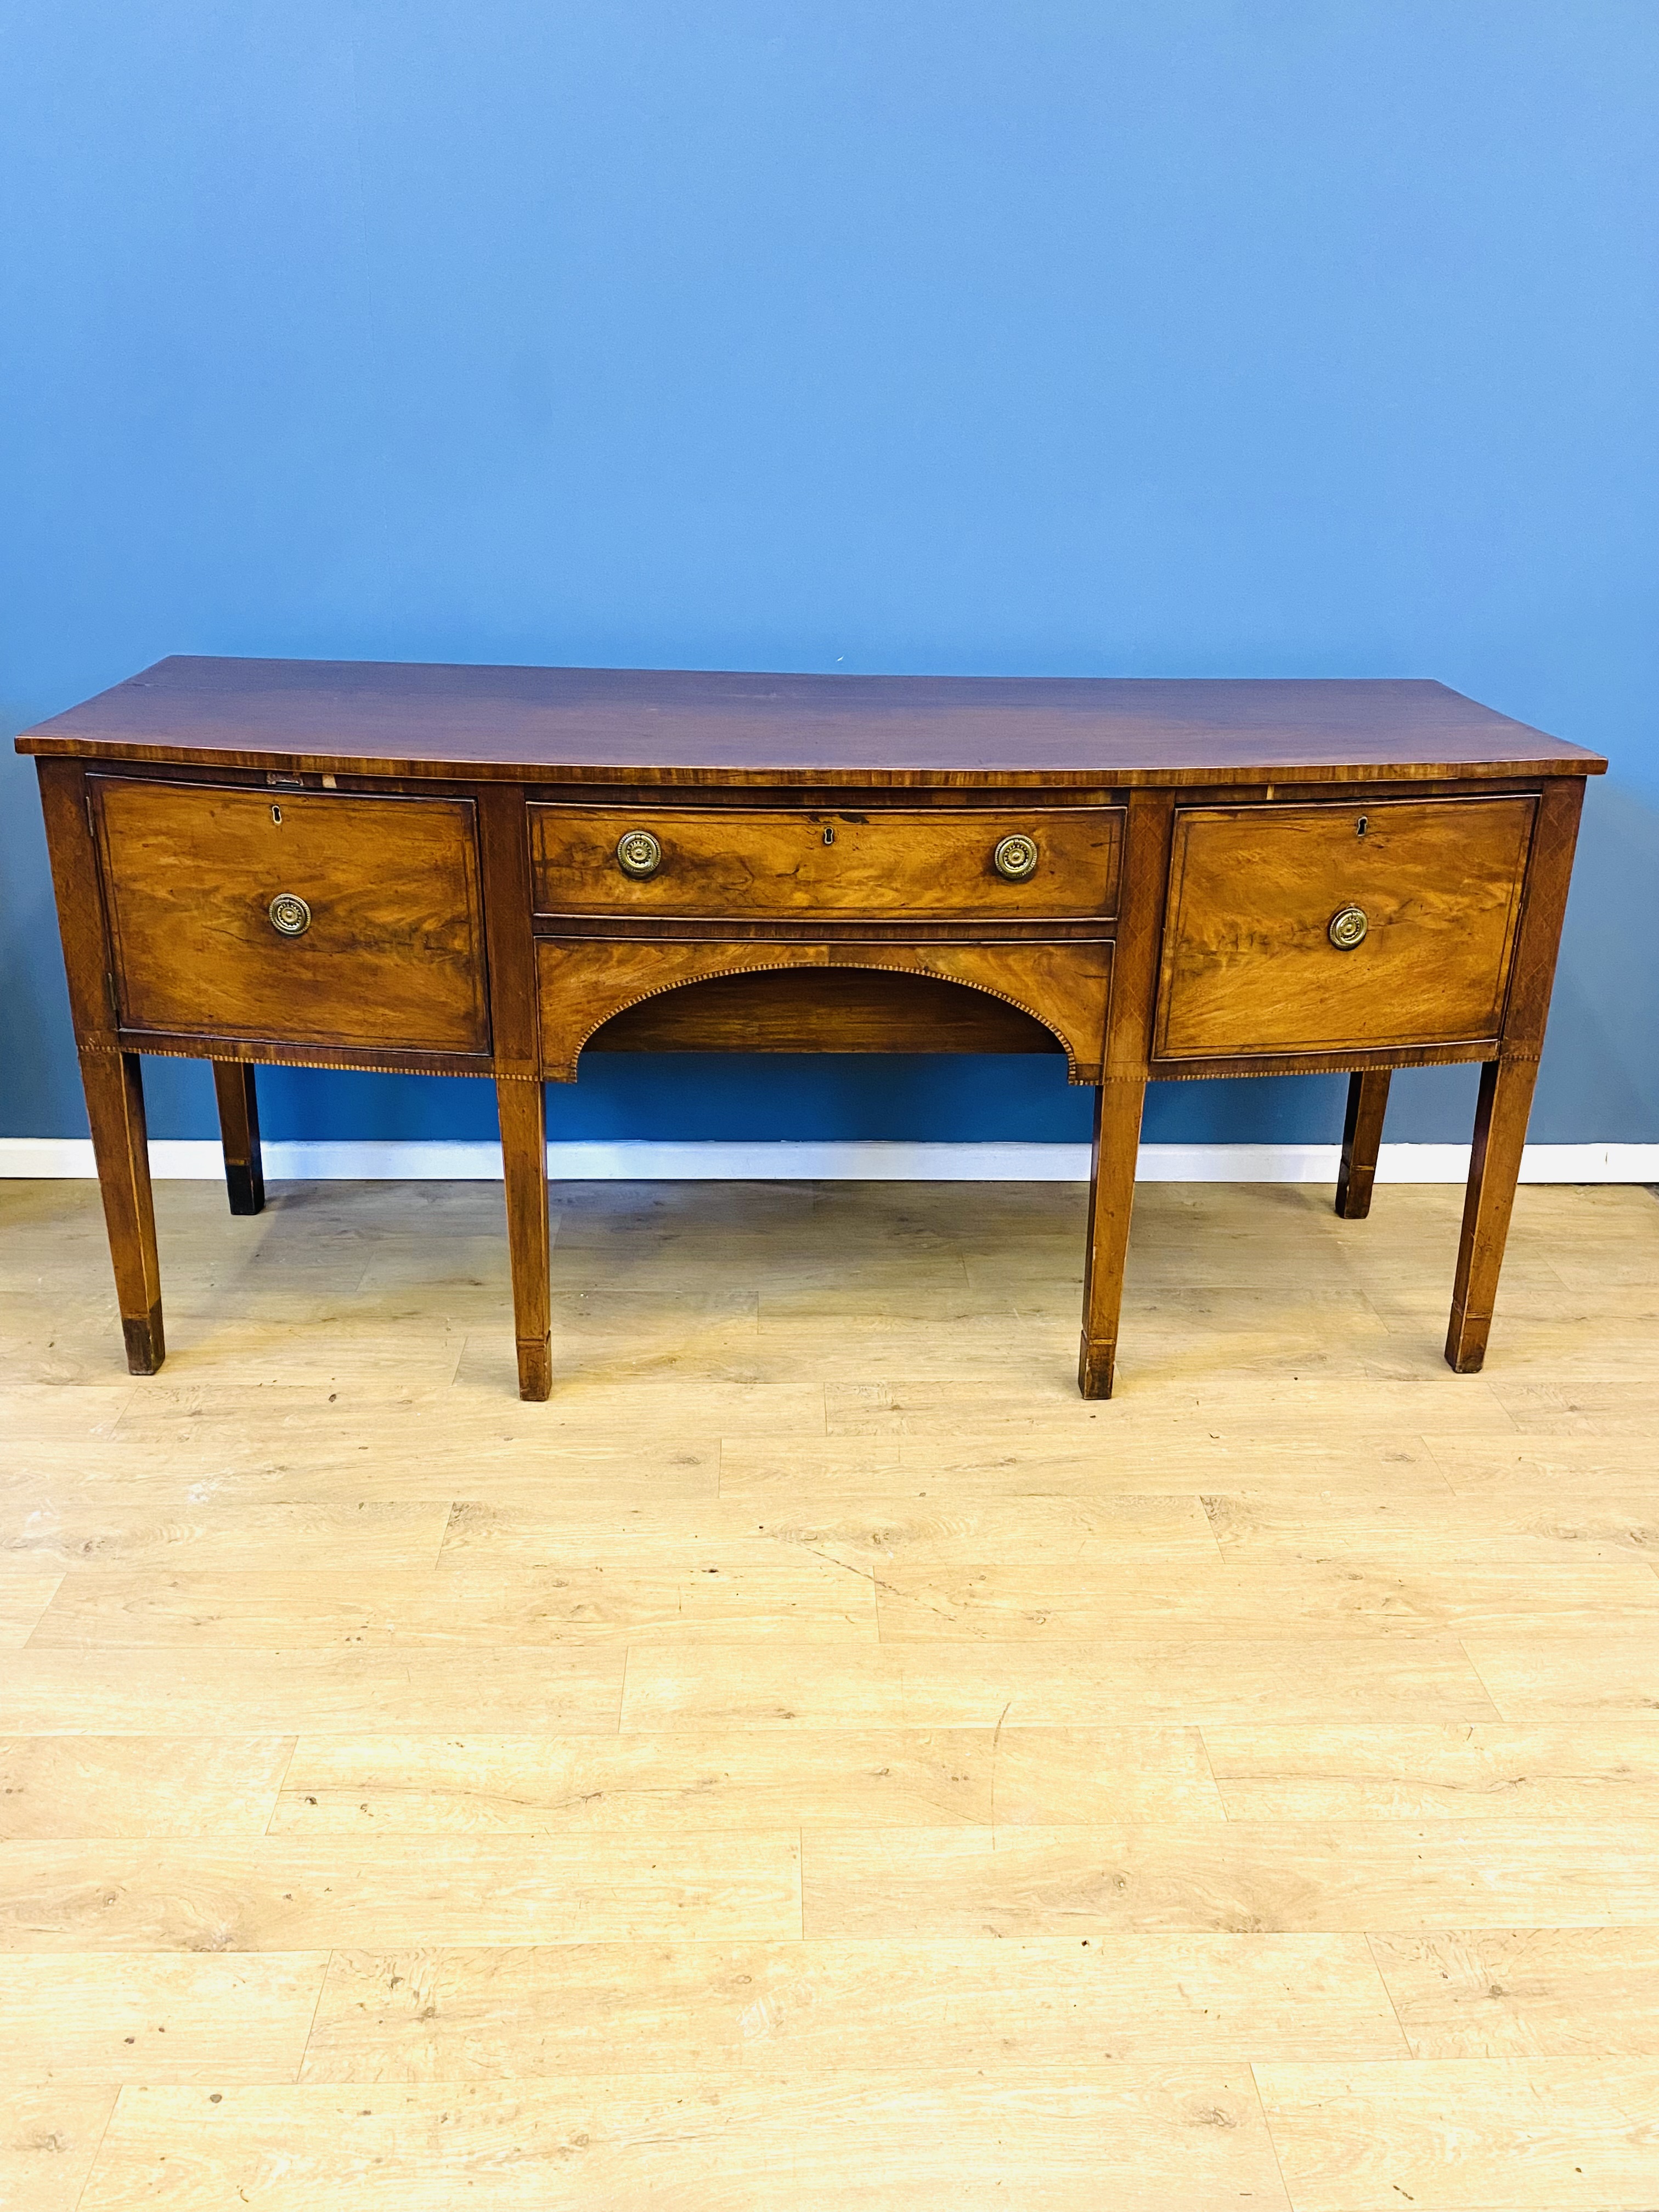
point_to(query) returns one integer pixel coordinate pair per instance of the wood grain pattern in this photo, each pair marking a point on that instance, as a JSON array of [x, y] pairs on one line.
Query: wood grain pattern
[[1362, 1140], [783, 2009], [1525, 1992], [892, 1777], [1500, 1136], [196, 1525], [866, 1532], [1548, 873], [1249, 966], [1325, 1877], [118, 1689], [1058, 1894], [1047, 1685], [585, 980], [393, 956], [318, 1611], [105, 2018], [823, 1010], [1014, 1604], [276, 1894], [1154, 2139], [26, 1590], [239, 1130], [49, 2137], [139, 1785], [1607, 1672], [730, 863], [114, 1089], [1506, 1086], [1465, 2135], [668, 725], [504, 859], [1506, 1529], [77, 889], [413, 911], [521, 1109], [934, 1468], [1480, 1771], [1120, 1100]]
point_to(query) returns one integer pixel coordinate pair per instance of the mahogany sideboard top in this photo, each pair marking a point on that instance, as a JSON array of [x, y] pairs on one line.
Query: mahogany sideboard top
[[479, 870], [676, 725]]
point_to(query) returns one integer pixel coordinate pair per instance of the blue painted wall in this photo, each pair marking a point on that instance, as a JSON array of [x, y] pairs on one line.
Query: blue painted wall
[[1145, 336]]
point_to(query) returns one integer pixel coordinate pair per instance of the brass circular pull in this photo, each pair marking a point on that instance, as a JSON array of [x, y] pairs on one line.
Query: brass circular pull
[[1015, 858], [1348, 927], [289, 915], [638, 854]]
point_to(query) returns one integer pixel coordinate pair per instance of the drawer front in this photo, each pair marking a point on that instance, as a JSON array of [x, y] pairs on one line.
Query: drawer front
[[1256, 960], [296, 918], [742, 864]]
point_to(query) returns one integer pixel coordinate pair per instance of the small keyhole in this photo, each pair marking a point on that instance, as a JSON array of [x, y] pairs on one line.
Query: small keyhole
[[275, 813], [830, 833], [1359, 827]]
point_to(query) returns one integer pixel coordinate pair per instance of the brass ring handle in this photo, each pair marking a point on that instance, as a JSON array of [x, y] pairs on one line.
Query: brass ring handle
[[289, 915], [638, 854], [1015, 858], [1348, 927]]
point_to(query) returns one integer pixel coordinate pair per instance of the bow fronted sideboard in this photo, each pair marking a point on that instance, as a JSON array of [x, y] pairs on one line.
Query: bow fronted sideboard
[[489, 872]]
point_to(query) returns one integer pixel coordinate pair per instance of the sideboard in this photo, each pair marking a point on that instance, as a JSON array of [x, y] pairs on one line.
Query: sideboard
[[488, 872]]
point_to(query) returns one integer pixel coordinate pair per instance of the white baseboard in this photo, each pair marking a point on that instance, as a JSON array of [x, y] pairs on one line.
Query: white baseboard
[[629, 1160]]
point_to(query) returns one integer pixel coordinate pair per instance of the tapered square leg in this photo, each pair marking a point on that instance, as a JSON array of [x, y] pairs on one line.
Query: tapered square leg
[[522, 1105], [239, 1131], [1500, 1134], [120, 1145], [1118, 1105], [1362, 1140]]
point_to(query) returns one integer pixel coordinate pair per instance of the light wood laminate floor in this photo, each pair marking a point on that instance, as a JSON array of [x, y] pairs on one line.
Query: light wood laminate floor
[[818, 1761]]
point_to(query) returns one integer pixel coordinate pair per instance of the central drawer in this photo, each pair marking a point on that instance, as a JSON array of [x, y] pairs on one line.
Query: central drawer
[[1013, 864]]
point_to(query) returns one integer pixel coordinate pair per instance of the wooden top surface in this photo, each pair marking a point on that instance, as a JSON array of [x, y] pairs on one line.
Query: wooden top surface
[[620, 726]]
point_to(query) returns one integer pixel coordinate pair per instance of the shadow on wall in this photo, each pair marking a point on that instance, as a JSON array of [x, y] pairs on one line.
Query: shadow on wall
[[1599, 1081]]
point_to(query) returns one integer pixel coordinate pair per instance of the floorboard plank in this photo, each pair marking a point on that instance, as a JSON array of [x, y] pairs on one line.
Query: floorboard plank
[[111, 1689], [795, 2009], [1525, 1992], [1142, 2139], [1322, 1877], [1610, 1671], [49, 2137], [279, 1893], [1034, 1684], [139, 1785], [79, 2017], [737, 1778], [1338, 1595], [1465, 2135], [26, 1588], [200, 1533], [802, 1598], [1476, 1772]]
